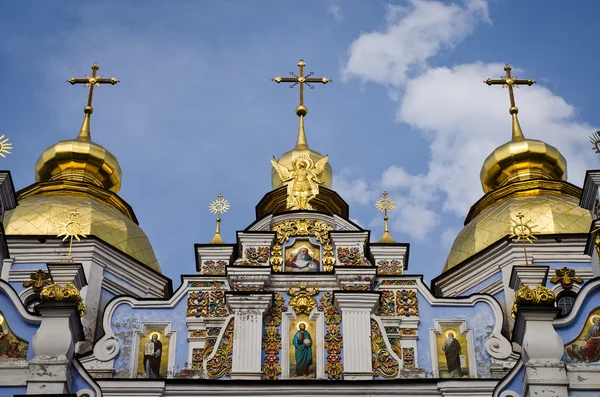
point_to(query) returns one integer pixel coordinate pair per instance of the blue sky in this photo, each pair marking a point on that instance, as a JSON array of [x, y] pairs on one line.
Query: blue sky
[[196, 114]]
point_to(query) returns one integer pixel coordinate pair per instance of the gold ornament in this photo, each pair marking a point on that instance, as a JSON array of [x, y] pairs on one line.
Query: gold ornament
[[523, 231], [302, 301], [220, 364], [302, 227], [302, 180], [90, 81], [384, 364], [271, 340], [68, 293], [594, 139], [5, 147], [219, 206], [71, 228], [566, 277], [38, 280], [596, 234], [540, 295], [385, 205], [333, 337]]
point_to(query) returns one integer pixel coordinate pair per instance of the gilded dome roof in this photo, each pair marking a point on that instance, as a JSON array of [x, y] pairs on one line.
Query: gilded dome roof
[[552, 212], [41, 214]]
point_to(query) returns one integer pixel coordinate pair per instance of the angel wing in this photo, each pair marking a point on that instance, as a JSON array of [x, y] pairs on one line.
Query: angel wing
[[282, 170], [320, 165]]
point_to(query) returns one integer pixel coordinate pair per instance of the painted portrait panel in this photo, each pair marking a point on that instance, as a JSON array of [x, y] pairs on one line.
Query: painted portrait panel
[[452, 353], [302, 256], [11, 346], [303, 348], [153, 357], [586, 348]]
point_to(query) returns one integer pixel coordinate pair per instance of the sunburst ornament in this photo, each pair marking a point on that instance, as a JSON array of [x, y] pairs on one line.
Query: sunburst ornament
[[218, 206], [385, 205], [5, 146], [595, 141], [71, 228], [523, 230]]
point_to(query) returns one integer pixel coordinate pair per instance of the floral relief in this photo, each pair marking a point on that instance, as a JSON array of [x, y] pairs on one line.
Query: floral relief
[[220, 364], [350, 256], [406, 303], [408, 357], [256, 256], [384, 364], [391, 267], [206, 304], [271, 340], [213, 268], [333, 337], [387, 303]]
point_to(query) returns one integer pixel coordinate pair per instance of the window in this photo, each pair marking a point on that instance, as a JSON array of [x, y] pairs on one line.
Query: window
[[565, 303]]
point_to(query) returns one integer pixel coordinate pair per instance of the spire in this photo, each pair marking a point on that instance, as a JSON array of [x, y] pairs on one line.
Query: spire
[[219, 206], [385, 205], [301, 142], [90, 81]]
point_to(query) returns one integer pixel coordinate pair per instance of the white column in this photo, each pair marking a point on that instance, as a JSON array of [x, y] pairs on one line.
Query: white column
[[356, 309], [248, 310], [53, 347], [542, 351]]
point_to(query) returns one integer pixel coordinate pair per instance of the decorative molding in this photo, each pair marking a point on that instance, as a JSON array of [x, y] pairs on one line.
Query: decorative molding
[[219, 363], [271, 340], [383, 360], [302, 301], [333, 337]]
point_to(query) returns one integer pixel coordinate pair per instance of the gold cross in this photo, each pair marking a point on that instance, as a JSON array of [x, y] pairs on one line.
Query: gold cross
[[90, 81], [510, 82], [301, 79]]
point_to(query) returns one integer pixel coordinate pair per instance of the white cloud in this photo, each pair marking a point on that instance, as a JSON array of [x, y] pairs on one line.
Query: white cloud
[[355, 191], [463, 119], [413, 35], [448, 237]]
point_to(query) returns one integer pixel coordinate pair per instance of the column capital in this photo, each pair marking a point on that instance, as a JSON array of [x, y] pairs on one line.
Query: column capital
[[357, 301], [239, 302], [529, 275]]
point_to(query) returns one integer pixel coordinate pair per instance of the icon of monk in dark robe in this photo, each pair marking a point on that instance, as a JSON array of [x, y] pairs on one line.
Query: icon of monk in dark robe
[[152, 356], [452, 350], [303, 344]]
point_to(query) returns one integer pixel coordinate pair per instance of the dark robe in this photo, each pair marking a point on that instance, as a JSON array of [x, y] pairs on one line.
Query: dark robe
[[4, 342], [452, 350], [152, 362], [303, 353], [592, 346]]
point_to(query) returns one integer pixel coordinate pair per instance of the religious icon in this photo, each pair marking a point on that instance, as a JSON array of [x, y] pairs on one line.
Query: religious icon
[[302, 352], [302, 180], [302, 257], [452, 356], [153, 355], [11, 346], [586, 348]]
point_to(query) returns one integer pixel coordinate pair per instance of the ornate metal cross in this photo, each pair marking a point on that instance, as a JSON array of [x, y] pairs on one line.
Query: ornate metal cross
[[510, 82], [301, 79], [92, 81]]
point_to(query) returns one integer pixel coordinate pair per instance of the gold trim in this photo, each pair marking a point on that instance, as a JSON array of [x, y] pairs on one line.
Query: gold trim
[[539, 295], [68, 293], [302, 301]]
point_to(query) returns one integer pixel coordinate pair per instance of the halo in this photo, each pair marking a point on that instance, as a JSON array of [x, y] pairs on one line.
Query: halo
[[1, 319], [592, 318], [451, 331], [154, 333], [310, 251], [302, 322], [304, 158]]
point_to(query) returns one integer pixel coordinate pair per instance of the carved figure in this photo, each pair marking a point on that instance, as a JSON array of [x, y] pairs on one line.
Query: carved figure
[[152, 356], [302, 180]]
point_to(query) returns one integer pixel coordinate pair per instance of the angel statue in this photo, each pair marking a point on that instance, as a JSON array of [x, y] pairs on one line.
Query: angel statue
[[302, 180]]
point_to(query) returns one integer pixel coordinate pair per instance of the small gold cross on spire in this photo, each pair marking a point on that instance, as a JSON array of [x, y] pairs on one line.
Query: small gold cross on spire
[[509, 81], [301, 80], [90, 81], [385, 204]]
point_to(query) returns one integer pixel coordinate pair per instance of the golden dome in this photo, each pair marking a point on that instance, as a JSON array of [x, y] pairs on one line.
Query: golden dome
[[80, 160], [301, 148], [42, 207], [521, 159], [551, 205]]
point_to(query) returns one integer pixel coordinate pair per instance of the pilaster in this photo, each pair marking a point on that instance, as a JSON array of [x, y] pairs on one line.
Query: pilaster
[[356, 309], [248, 310], [542, 351], [53, 347]]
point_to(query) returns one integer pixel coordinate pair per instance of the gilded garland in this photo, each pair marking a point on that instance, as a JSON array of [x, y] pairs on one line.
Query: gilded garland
[[272, 338], [302, 301], [302, 227], [384, 364], [220, 364], [68, 293], [333, 337], [539, 295]]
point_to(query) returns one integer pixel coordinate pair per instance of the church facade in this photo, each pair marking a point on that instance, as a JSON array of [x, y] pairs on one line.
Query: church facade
[[305, 302]]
